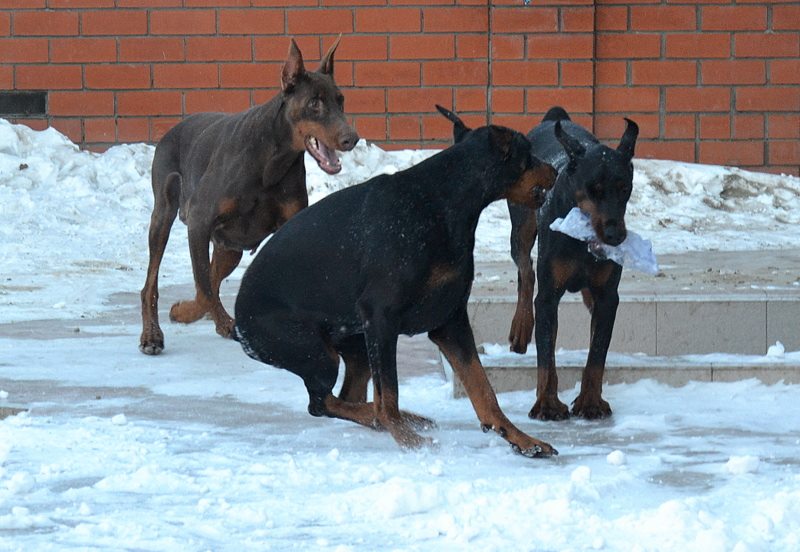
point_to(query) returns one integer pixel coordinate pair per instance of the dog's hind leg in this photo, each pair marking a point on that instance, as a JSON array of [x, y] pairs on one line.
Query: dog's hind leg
[[457, 343], [165, 209], [523, 236]]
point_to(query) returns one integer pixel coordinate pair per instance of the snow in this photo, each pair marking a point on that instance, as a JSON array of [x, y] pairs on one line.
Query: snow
[[205, 449]]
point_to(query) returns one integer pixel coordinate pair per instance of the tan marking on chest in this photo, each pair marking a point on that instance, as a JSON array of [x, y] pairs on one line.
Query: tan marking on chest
[[441, 275]]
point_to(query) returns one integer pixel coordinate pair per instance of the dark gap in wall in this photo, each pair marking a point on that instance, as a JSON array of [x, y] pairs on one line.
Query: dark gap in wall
[[23, 103]]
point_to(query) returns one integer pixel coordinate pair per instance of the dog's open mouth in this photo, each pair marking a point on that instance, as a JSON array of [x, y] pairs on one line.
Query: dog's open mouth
[[325, 157]]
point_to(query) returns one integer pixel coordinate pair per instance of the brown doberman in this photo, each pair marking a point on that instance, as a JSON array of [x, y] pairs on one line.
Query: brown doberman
[[393, 255], [235, 179], [598, 180]]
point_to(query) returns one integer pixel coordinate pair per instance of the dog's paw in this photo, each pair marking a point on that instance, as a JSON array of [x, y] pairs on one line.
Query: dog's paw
[[151, 342], [591, 409], [550, 409], [542, 450]]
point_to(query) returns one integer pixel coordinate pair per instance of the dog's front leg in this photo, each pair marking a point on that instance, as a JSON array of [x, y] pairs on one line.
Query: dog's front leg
[[547, 405], [456, 341], [589, 403], [206, 301], [523, 236]]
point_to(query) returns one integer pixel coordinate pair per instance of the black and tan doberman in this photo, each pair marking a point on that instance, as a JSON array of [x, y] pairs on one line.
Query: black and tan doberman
[[598, 180], [234, 179], [394, 255]]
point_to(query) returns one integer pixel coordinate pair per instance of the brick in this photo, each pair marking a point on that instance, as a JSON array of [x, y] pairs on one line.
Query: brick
[[733, 72], [215, 3], [676, 150], [784, 152], [227, 101], [786, 18], [571, 99], [454, 72], [610, 128], [470, 99], [47, 77], [715, 127], [371, 128], [785, 71], [626, 46], [249, 75], [508, 47], [319, 21], [437, 128], [524, 73], [6, 77], [472, 46], [575, 20], [562, 46], [698, 45], [262, 95], [80, 103], [117, 76], [133, 129], [748, 126], [79, 3], [521, 123], [664, 72], [611, 72], [274, 48], [160, 125], [182, 22], [250, 22], [698, 99], [113, 22], [185, 75], [149, 102], [626, 100], [612, 18], [365, 100], [576, 73], [531, 19], [150, 49], [784, 125], [679, 126], [768, 99], [368, 47], [388, 20], [459, 19], [45, 23], [215, 48], [770, 45], [282, 3], [405, 128], [5, 24], [23, 50], [508, 100], [422, 47], [733, 18], [149, 3], [82, 50], [417, 100], [663, 18], [398, 73], [732, 152], [99, 130], [69, 127], [25, 4]]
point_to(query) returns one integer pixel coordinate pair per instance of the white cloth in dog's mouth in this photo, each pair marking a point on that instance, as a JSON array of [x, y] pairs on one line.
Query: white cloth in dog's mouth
[[635, 252], [325, 157]]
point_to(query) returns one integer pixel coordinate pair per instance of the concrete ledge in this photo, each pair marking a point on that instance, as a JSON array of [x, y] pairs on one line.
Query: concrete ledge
[[507, 373], [7, 410]]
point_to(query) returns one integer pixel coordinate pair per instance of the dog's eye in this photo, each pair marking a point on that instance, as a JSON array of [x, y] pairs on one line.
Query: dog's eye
[[314, 103]]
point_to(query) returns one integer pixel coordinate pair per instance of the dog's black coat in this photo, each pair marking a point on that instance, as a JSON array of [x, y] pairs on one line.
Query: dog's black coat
[[390, 256]]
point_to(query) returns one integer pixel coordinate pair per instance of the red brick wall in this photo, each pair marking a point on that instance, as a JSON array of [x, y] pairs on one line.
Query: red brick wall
[[710, 81]]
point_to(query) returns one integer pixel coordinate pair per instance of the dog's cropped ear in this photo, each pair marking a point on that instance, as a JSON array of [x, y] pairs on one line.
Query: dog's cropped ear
[[293, 69], [326, 65], [573, 148], [460, 130], [500, 139], [628, 142]]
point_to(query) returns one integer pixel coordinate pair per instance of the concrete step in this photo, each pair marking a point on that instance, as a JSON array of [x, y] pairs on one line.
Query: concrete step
[[512, 372], [709, 302]]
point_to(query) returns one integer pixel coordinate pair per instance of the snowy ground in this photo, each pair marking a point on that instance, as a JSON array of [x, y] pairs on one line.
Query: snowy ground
[[204, 449]]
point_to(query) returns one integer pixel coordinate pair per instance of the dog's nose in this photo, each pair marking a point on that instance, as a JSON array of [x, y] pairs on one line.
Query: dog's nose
[[348, 141], [614, 233]]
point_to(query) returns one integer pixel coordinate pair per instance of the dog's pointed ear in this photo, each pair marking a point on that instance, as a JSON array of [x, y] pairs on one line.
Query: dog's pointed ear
[[293, 69], [573, 148], [326, 65], [500, 139], [628, 142], [460, 130]]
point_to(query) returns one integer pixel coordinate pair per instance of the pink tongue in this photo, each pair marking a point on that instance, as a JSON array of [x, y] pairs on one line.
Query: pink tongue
[[329, 155]]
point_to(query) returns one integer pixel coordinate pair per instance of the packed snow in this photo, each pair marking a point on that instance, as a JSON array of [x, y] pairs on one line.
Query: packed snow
[[204, 449]]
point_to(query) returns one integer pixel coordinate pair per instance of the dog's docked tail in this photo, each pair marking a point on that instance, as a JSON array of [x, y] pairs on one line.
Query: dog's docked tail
[[556, 113], [460, 130]]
